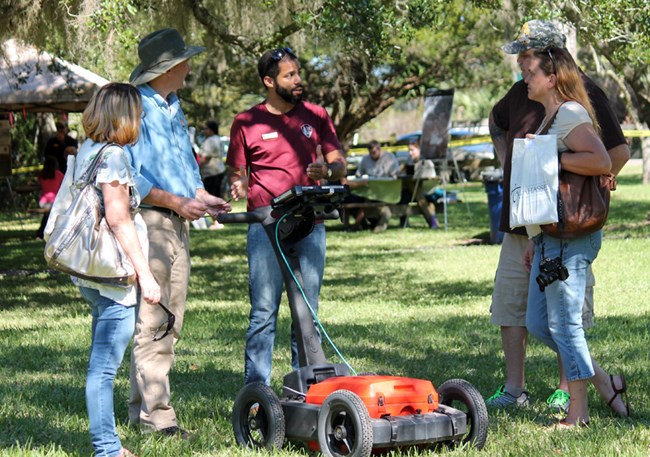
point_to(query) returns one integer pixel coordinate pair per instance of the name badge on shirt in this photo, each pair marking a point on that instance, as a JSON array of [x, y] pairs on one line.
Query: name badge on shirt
[[269, 136]]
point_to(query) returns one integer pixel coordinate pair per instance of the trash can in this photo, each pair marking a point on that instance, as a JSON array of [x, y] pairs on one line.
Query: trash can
[[493, 182]]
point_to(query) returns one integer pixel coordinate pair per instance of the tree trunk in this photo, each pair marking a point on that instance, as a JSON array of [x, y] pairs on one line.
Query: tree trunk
[[645, 154]]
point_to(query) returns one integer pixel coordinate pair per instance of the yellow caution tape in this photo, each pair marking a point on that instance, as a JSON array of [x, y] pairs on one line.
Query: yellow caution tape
[[636, 133], [404, 147], [479, 140], [392, 148], [15, 171]]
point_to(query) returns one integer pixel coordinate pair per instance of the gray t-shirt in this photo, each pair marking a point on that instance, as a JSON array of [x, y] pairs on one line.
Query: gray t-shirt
[[570, 115], [384, 167]]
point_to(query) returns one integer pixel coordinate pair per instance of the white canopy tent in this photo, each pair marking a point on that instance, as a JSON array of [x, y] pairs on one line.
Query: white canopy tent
[[34, 80]]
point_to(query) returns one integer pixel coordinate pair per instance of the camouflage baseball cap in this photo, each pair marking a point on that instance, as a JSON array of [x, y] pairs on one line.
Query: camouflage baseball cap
[[536, 34]]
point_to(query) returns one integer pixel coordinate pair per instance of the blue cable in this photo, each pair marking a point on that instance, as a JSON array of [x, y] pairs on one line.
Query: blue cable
[[327, 337]]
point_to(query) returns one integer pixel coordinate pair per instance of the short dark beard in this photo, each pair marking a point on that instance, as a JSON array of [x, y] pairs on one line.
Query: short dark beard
[[286, 95]]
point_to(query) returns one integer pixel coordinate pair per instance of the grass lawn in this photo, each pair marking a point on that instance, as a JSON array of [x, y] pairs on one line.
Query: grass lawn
[[410, 302]]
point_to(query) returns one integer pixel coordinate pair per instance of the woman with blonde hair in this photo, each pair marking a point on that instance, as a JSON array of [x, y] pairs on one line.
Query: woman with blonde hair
[[112, 120], [554, 312]]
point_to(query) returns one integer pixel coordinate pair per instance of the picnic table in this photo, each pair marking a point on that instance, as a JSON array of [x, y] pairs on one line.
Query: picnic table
[[387, 192]]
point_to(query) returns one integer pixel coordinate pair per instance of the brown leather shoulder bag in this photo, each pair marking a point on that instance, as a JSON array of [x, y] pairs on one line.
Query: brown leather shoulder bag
[[582, 202]]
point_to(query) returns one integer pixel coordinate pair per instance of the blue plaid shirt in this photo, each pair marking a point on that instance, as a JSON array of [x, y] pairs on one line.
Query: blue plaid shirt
[[163, 156]]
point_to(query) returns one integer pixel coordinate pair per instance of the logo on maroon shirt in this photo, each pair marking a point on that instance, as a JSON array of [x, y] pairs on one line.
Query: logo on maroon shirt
[[307, 130]]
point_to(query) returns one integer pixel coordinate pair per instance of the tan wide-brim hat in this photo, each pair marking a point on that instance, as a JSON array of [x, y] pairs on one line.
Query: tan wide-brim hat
[[159, 51]]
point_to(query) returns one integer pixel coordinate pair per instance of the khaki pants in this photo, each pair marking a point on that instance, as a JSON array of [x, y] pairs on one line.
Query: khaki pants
[[169, 260]]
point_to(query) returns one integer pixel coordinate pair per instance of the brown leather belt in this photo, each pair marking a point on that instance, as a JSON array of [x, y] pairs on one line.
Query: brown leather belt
[[167, 211]]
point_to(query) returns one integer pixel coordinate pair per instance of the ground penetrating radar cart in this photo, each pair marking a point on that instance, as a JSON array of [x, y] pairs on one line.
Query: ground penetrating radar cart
[[326, 405]]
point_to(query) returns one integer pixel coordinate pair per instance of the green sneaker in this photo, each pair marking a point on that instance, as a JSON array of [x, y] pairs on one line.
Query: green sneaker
[[503, 399], [559, 400]]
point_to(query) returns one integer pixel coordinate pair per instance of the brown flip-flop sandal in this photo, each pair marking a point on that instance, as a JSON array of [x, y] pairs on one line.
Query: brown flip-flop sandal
[[622, 392]]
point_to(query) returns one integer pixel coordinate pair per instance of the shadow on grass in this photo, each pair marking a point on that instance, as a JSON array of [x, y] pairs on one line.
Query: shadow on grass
[[16, 234], [41, 397], [32, 431], [45, 407], [426, 348], [349, 288], [37, 289]]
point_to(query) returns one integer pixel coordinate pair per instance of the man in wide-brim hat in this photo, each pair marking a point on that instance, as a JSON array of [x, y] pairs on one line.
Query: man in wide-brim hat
[[159, 52], [168, 179]]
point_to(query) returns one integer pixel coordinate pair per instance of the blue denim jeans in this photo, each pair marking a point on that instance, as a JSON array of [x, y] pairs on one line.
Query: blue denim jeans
[[555, 315], [112, 329], [265, 288]]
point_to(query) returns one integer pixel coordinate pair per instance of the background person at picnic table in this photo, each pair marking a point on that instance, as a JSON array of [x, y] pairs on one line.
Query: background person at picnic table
[[49, 179], [514, 116], [411, 167], [113, 116], [376, 164], [415, 167], [282, 142], [554, 313], [61, 145]]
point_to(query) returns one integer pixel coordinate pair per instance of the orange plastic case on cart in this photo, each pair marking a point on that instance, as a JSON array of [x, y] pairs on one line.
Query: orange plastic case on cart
[[382, 395]]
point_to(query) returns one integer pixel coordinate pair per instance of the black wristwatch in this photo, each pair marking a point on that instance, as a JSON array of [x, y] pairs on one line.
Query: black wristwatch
[[329, 173]]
